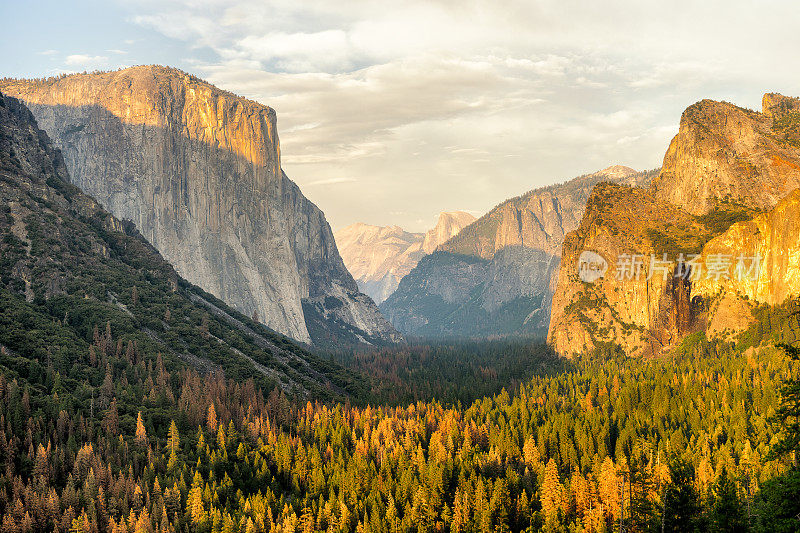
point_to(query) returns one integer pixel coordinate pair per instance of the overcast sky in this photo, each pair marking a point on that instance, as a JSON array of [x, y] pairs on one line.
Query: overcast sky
[[389, 112]]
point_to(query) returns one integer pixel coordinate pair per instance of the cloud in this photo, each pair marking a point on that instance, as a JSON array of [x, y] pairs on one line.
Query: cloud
[[431, 102], [331, 181], [300, 52], [85, 61]]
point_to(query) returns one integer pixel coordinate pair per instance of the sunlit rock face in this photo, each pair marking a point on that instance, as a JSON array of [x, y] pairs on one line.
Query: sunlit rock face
[[763, 256], [727, 191], [724, 154], [378, 257], [497, 275], [197, 169], [627, 307]]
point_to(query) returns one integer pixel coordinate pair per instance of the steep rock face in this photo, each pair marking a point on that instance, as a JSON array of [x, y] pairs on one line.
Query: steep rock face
[[762, 256], [378, 257], [753, 262], [68, 266], [724, 154], [449, 225], [438, 283], [730, 167], [464, 296], [519, 242], [636, 307], [198, 171], [773, 237]]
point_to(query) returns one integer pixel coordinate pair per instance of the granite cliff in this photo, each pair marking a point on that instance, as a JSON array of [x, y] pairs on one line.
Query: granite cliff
[[68, 267], [497, 275], [724, 154], [198, 171], [633, 305], [726, 198], [378, 257], [763, 259]]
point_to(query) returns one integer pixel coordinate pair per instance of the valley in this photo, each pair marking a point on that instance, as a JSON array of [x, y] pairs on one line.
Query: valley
[[483, 345]]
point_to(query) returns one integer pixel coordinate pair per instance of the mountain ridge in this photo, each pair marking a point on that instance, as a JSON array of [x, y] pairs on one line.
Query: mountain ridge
[[498, 273]]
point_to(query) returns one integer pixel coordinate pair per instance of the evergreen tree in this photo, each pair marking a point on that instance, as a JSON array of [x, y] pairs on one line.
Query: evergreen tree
[[141, 432], [173, 438], [787, 417], [551, 495], [681, 505], [728, 513]]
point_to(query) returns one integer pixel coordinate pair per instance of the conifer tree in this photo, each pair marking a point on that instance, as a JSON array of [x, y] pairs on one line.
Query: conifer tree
[[141, 433], [681, 503], [211, 418], [173, 438], [728, 513], [551, 495], [787, 416]]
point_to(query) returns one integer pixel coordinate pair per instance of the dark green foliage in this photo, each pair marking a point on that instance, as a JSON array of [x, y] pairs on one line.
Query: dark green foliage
[[788, 414], [681, 505], [720, 219], [452, 373], [673, 243], [777, 504], [728, 514]]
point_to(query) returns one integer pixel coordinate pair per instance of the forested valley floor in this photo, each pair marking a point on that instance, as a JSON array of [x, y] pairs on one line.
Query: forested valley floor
[[120, 441]]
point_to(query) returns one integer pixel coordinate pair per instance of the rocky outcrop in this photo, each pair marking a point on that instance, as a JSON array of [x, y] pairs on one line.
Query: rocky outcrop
[[497, 276], [715, 197], [774, 239], [635, 306], [724, 154], [378, 257], [762, 260], [198, 171], [753, 262]]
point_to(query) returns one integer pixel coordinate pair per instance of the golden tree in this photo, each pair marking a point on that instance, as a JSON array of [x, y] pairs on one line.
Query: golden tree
[[211, 418], [141, 433], [552, 493]]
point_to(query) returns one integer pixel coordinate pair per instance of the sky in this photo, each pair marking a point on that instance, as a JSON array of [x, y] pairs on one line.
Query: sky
[[390, 112]]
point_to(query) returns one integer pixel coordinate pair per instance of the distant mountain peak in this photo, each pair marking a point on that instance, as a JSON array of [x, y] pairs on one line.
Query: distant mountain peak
[[378, 257], [617, 171], [449, 224], [497, 275]]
